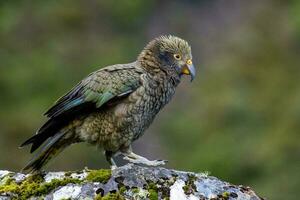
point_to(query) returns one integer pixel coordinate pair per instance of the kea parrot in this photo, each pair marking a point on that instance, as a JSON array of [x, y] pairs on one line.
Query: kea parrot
[[113, 106]]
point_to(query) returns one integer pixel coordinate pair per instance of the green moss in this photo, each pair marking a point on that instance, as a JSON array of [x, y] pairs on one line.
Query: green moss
[[186, 189], [98, 197], [122, 189], [55, 183], [153, 192], [8, 186], [33, 186], [225, 195], [101, 175], [68, 173], [153, 195], [110, 196], [190, 187], [25, 189], [135, 190], [3, 180]]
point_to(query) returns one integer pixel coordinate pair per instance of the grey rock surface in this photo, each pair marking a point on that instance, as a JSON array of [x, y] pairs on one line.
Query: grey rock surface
[[127, 182]]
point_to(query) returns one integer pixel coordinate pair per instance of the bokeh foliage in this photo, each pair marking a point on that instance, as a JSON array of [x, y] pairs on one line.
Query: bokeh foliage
[[239, 119]]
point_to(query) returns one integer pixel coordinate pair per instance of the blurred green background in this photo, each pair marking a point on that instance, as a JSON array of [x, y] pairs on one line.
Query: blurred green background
[[239, 119]]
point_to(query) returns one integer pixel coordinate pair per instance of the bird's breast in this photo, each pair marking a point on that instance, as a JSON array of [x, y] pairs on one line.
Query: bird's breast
[[137, 112]]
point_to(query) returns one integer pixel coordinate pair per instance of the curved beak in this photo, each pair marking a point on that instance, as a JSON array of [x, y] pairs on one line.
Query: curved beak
[[189, 69]]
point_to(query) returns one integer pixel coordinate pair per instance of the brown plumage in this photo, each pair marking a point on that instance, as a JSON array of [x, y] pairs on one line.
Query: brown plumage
[[113, 106]]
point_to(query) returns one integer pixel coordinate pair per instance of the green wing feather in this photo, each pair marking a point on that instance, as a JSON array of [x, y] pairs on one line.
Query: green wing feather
[[90, 94], [98, 88]]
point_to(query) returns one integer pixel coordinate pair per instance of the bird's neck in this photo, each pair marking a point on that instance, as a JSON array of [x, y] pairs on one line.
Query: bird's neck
[[149, 62]]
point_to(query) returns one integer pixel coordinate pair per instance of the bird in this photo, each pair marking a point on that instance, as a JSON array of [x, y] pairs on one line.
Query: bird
[[113, 106]]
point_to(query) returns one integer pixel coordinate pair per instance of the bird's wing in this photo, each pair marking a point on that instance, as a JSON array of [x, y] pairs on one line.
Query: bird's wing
[[98, 89]]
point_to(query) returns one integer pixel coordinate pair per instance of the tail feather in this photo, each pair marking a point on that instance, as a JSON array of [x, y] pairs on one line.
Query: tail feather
[[55, 124], [47, 130], [55, 145]]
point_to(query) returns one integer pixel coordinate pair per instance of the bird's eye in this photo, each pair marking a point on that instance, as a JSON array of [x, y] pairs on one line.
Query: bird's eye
[[177, 56]]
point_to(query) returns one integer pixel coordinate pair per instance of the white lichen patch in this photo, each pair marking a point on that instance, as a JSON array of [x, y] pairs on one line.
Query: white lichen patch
[[3, 173], [177, 192], [67, 192], [141, 194], [193, 197], [203, 174], [209, 187], [80, 176], [212, 196], [19, 177], [54, 175]]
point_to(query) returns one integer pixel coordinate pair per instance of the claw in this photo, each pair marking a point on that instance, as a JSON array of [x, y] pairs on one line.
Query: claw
[[163, 161]]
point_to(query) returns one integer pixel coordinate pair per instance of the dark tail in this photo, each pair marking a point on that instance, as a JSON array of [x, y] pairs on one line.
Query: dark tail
[[51, 148], [48, 130]]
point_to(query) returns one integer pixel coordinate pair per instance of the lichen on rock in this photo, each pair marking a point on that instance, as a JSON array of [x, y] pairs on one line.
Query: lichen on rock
[[127, 182]]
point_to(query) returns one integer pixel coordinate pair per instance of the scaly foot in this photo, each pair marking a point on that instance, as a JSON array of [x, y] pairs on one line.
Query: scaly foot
[[145, 161]]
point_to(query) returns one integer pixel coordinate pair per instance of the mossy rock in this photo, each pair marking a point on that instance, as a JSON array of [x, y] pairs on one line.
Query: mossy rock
[[127, 182]]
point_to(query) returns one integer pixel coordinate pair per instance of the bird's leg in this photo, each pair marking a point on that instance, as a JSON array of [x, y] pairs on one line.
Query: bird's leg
[[137, 159], [109, 157]]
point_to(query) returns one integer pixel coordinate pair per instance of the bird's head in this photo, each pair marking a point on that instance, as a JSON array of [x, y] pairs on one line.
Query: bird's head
[[171, 54]]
